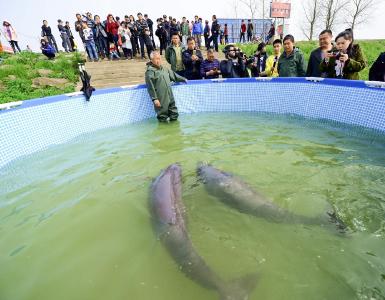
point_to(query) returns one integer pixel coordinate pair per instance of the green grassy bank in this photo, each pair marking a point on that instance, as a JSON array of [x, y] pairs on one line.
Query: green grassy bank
[[18, 72]]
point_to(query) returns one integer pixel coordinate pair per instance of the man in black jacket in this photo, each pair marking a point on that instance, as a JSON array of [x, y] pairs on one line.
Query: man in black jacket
[[325, 43], [141, 25], [234, 65], [192, 59], [162, 35], [377, 71], [250, 31], [214, 33], [150, 24], [47, 33]]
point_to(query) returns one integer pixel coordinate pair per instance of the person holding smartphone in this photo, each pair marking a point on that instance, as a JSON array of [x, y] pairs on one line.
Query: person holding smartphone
[[192, 60], [347, 61], [210, 67]]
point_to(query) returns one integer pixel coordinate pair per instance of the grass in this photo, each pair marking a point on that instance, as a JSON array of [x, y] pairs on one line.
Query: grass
[[371, 49], [18, 71]]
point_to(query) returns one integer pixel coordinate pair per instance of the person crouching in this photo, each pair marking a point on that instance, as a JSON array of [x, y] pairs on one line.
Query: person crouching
[[158, 80], [47, 49]]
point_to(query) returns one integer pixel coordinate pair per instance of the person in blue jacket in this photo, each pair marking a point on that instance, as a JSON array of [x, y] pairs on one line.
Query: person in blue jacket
[[197, 31], [47, 49]]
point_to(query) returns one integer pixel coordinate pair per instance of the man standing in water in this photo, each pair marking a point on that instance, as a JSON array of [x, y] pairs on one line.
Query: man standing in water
[[158, 80]]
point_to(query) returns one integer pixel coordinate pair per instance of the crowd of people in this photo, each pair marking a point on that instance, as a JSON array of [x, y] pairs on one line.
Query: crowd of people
[[341, 59], [115, 38], [181, 44]]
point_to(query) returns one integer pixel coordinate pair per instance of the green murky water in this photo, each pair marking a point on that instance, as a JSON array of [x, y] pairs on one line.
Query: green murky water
[[74, 222]]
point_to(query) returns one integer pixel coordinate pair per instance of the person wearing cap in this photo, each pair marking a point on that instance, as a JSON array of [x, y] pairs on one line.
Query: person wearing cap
[[64, 36], [258, 61], [158, 80], [46, 32], [234, 65]]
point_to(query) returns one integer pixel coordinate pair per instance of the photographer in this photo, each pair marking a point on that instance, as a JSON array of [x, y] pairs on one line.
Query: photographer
[[347, 62], [112, 28], [141, 25], [234, 65], [161, 33], [258, 61], [101, 38], [210, 66], [192, 60]]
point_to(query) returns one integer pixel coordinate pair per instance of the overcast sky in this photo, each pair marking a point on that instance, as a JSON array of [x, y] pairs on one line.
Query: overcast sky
[[27, 16]]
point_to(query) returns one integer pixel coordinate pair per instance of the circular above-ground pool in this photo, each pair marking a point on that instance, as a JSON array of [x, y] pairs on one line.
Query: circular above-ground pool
[[76, 182]]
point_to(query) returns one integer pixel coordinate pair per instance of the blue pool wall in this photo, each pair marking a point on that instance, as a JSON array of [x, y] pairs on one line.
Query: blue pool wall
[[37, 124]]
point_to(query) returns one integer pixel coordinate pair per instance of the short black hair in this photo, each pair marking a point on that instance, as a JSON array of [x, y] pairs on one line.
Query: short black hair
[[215, 17], [288, 37], [277, 41], [145, 15], [175, 34], [44, 21], [328, 31], [190, 39]]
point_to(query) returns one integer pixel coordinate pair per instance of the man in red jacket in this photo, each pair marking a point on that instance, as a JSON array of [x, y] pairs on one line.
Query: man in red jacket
[[243, 32]]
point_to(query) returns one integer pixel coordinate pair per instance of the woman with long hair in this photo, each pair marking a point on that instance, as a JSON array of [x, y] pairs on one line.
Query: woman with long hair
[[11, 36], [347, 61]]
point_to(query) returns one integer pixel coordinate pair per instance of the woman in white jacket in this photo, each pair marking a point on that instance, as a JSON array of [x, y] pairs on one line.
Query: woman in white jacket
[[11, 36], [125, 34]]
